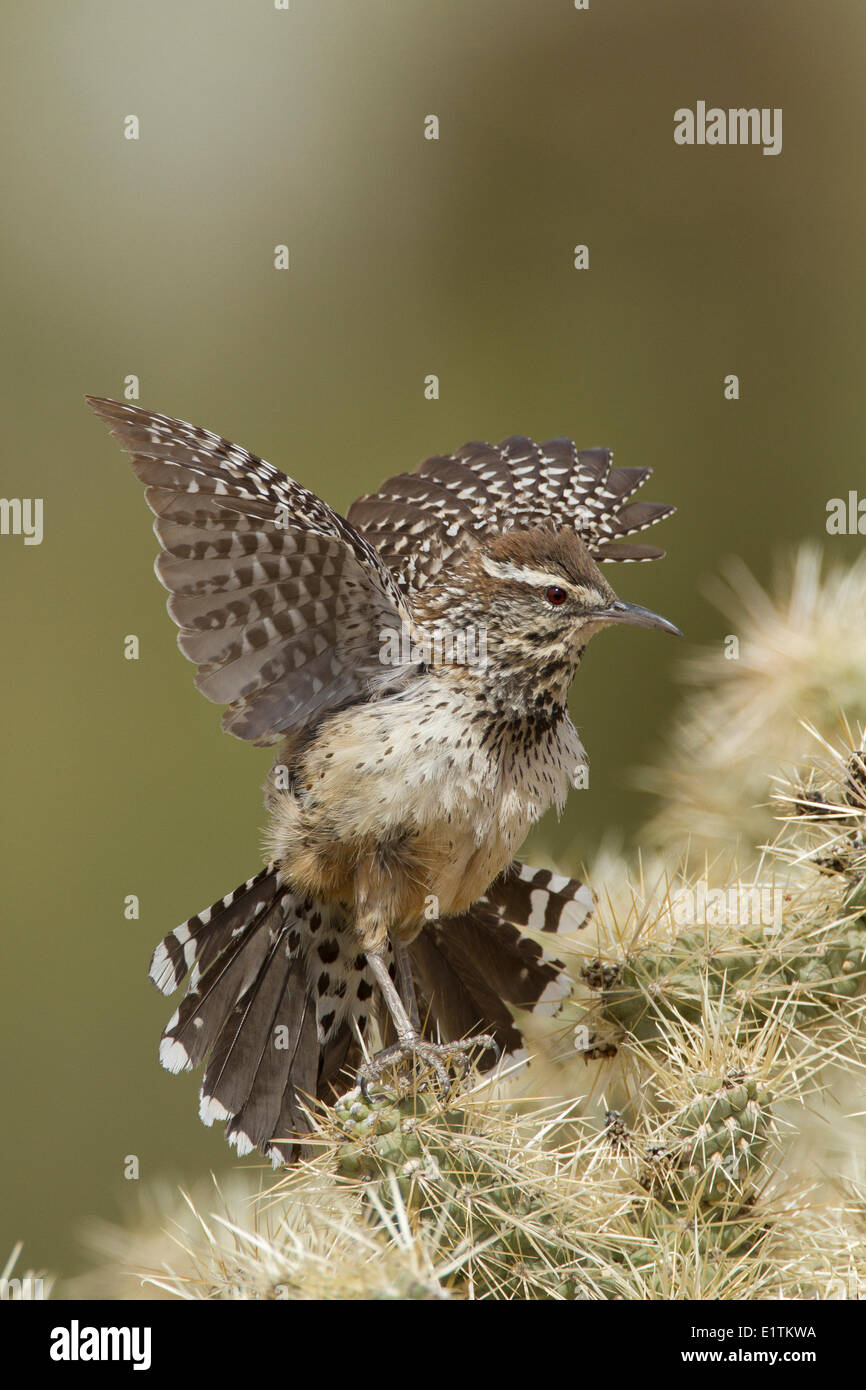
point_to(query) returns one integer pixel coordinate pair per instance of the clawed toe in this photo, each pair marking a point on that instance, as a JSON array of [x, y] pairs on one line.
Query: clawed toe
[[438, 1058]]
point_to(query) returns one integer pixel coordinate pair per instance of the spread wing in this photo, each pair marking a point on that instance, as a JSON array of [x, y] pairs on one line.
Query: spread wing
[[418, 520], [279, 601]]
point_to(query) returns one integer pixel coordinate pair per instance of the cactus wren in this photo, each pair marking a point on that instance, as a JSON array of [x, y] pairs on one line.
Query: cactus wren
[[410, 768]]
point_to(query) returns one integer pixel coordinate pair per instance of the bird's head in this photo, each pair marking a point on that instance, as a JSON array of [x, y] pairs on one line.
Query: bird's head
[[538, 596]]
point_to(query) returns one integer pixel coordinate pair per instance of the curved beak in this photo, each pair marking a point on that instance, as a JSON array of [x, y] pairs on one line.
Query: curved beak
[[621, 612]]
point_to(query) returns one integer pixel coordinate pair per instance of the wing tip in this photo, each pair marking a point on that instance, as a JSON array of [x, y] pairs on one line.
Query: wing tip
[[105, 407]]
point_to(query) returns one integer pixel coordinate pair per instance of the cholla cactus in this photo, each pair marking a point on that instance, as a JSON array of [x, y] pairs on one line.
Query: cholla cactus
[[461, 1173], [803, 975], [715, 1144], [679, 1196], [789, 945], [824, 808], [801, 655]]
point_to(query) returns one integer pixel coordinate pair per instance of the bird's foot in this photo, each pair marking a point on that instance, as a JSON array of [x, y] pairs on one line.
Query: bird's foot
[[437, 1058]]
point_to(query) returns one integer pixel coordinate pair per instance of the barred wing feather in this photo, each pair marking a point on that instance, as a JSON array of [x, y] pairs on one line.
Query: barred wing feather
[[279, 601], [420, 521]]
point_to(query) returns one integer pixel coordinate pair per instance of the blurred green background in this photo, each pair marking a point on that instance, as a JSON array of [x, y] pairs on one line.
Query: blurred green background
[[408, 257]]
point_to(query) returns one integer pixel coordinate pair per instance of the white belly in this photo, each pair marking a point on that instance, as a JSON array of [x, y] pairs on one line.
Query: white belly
[[421, 767]]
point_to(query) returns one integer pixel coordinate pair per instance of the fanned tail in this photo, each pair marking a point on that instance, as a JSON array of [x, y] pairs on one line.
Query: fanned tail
[[276, 1002], [469, 969], [279, 997]]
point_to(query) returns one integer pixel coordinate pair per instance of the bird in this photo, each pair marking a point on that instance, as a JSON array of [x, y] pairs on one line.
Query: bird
[[411, 662]]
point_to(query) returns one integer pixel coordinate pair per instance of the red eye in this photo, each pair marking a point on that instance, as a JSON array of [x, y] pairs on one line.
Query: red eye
[[555, 595]]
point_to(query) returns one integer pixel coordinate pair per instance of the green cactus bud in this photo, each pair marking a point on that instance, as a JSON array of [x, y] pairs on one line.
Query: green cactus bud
[[714, 1144]]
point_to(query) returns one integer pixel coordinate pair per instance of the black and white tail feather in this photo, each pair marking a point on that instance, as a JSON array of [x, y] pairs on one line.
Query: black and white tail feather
[[278, 1004]]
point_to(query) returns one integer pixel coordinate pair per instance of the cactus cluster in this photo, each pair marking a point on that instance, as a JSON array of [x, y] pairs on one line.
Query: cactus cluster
[[748, 978], [715, 1145], [611, 1213], [437, 1165], [806, 964]]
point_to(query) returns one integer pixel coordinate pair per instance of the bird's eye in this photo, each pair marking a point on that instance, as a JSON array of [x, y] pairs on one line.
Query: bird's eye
[[555, 595]]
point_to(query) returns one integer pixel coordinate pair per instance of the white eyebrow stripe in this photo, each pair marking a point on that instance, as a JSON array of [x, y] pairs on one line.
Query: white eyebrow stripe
[[524, 574]]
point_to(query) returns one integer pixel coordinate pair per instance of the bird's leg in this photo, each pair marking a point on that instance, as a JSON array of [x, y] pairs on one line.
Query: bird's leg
[[407, 1030], [410, 1045], [406, 984], [384, 883]]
